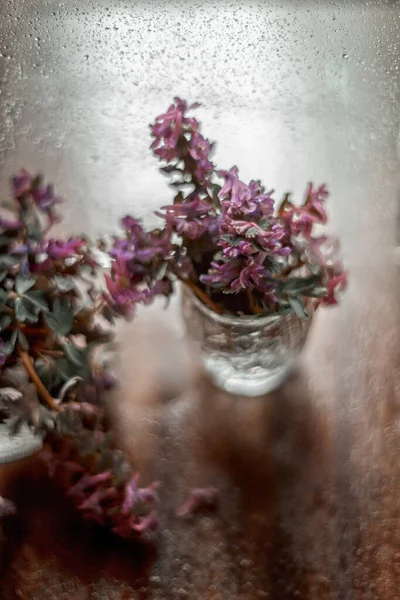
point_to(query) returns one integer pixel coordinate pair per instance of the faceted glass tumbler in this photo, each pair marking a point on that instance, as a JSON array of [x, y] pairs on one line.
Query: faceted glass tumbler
[[246, 356]]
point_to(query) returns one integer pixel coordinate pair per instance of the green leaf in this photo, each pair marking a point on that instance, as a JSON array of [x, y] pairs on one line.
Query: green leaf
[[8, 347], [23, 284], [35, 231], [5, 321], [24, 310], [61, 318], [20, 310], [49, 373], [4, 240], [298, 307], [74, 354], [38, 298], [226, 238], [3, 275], [215, 190], [7, 261], [252, 232], [22, 340], [66, 369], [162, 270], [64, 283], [170, 169], [3, 296], [318, 292]]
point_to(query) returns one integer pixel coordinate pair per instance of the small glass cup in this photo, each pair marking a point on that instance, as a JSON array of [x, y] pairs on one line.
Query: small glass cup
[[246, 356]]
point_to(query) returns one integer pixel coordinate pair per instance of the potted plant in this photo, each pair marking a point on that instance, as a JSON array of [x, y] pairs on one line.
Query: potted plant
[[253, 270]]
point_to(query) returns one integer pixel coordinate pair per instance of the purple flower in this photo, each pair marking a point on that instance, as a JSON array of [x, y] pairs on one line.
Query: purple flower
[[132, 525], [315, 203], [122, 299], [177, 138], [200, 499], [21, 183], [134, 276], [253, 276], [269, 239], [45, 198], [134, 494], [324, 251], [10, 224], [92, 504], [169, 127], [242, 248], [221, 274], [60, 250], [190, 219], [122, 250], [200, 149], [335, 283], [88, 482], [240, 200], [299, 220]]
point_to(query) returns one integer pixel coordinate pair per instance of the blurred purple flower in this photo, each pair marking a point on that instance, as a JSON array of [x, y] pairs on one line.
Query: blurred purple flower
[[122, 250], [134, 494], [316, 198], [323, 251], [335, 284], [10, 224], [191, 219], [199, 499], [59, 250], [134, 276], [300, 220], [87, 482], [254, 276], [21, 183], [45, 198], [93, 503], [221, 274]]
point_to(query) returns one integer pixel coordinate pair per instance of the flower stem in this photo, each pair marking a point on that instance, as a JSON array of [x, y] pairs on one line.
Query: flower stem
[[27, 362], [256, 310], [205, 298]]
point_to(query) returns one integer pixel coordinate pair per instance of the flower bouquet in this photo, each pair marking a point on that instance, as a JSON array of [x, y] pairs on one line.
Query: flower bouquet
[[252, 272]]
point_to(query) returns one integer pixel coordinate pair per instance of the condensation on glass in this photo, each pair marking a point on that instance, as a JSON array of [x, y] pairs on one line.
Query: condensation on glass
[[290, 91]]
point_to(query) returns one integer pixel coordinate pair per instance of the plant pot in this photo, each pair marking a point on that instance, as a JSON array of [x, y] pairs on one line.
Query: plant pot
[[246, 356]]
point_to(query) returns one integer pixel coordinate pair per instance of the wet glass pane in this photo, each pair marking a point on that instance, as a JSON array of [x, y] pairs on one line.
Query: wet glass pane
[[290, 91]]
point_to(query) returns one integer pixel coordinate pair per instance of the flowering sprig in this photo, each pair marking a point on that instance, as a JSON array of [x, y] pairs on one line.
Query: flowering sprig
[[52, 377], [240, 252], [225, 237]]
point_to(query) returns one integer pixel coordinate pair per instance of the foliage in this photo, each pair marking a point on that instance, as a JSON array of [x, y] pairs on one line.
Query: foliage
[[52, 376], [238, 250]]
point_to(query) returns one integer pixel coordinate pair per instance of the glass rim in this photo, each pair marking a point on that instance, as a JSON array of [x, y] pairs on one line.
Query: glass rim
[[227, 319]]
